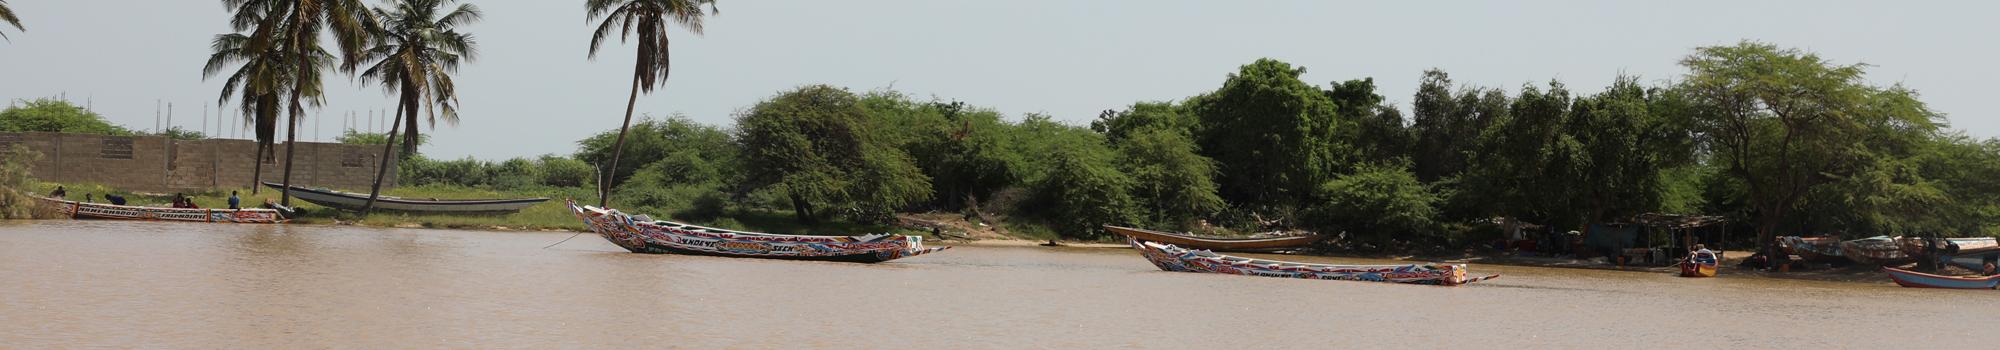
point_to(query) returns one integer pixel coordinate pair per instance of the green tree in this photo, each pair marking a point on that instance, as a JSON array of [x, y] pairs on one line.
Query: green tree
[[53, 115], [963, 150], [416, 50], [7, 15], [1786, 121], [815, 145], [1083, 191], [293, 28], [655, 140], [1273, 134], [1514, 165], [648, 19], [1446, 127], [1378, 133], [1144, 116], [1377, 204], [1172, 183]]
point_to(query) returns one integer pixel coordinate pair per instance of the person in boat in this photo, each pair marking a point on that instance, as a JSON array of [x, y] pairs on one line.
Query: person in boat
[[235, 202], [1702, 255], [114, 199], [59, 193]]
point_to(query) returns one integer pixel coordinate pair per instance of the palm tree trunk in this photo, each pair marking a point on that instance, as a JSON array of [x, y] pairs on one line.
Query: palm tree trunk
[[389, 145], [291, 148], [410, 130], [257, 175], [618, 148]]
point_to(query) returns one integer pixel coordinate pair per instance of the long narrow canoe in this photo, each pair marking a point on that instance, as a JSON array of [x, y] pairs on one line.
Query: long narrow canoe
[[1913, 279], [1212, 243], [1915, 246], [355, 201], [1172, 258], [79, 210], [641, 234], [1878, 251], [1812, 248]]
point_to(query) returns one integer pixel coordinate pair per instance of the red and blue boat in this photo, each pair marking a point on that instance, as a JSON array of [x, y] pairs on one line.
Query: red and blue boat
[[1913, 279]]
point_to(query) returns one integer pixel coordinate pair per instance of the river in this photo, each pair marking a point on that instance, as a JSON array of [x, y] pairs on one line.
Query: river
[[113, 284]]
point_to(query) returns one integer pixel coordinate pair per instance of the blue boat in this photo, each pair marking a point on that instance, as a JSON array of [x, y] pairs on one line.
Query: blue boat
[[1913, 279]]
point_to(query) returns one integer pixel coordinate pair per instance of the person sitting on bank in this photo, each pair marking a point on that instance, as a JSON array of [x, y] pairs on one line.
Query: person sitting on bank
[[114, 199], [234, 202], [87, 198], [59, 193]]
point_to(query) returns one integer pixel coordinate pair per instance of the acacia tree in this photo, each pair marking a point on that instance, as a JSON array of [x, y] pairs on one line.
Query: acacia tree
[[1786, 121], [814, 145], [1172, 183], [648, 20], [1273, 134]]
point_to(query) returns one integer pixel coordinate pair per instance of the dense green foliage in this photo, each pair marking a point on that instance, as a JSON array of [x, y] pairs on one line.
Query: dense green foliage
[[353, 137], [816, 145], [54, 115], [16, 184], [1376, 204], [1273, 134]]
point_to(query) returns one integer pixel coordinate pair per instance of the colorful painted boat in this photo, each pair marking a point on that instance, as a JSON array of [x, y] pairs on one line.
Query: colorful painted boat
[[1700, 264], [1812, 248], [1214, 243], [1913, 279], [641, 234], [1916, 246], [1173, 258], [78, 210], [1878, 251], [355, 201]]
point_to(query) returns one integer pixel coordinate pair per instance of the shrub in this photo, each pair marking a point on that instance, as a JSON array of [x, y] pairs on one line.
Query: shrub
[[1377, 204]]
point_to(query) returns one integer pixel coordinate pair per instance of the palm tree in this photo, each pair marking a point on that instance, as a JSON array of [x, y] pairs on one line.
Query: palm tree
[[293, 28], [7, 15], [261, 81], [648, 20], [416, 50]]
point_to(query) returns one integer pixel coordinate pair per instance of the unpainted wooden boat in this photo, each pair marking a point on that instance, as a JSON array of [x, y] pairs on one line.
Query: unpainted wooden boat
[[1700, 264], [80, 210], [1812, 248], [1878, 251], [1214, 243], [355, 201], [641, 234], [1984, 264], [1173, 258], [1913, 279], [1921, 246]]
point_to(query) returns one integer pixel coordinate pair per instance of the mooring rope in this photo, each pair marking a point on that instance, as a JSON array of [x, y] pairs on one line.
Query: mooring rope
[[578, 233]]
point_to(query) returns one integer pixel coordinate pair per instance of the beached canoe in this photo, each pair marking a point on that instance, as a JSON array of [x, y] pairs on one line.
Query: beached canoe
[[1173, 258], [1812, 248], [79, 210], [1913, 279], [355, 201], [1700, 264], [1916, 246], [1878, 251], [641, 234], [1213, 243]]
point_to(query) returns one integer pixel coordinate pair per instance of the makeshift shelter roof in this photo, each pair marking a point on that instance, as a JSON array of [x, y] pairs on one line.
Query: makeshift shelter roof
[[1677, 221]]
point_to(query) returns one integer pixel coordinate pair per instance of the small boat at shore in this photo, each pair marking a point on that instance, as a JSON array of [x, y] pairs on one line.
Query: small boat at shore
[[1214, 243], [1173, 258], [1701, 263], [1913, 279], [641, 234], [1920, 246], [1878, 251], [1812, 248], [355, 201], [80, 210]]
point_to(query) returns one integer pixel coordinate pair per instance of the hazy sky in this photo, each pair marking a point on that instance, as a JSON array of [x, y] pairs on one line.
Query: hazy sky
[[534, 92]]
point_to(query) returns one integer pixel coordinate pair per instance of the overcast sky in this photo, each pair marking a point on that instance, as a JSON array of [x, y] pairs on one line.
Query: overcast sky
[[533, 91]]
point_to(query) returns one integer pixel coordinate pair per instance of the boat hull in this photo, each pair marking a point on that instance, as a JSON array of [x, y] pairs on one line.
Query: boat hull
[[1812, 248], [1216, 244], [356, 201], [1172, 258], [79, 210], [663, 237], [1913, 279], [1879, 251], [1693, 269]]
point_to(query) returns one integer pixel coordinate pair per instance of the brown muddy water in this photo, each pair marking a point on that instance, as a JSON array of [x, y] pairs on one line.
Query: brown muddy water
[[67, 284]]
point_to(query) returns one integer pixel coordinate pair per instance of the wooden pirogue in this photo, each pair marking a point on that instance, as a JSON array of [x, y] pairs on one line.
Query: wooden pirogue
[[1913, 279], [1212, 243], [642, 234], [1172, 258], [80, 210], [355, 201]]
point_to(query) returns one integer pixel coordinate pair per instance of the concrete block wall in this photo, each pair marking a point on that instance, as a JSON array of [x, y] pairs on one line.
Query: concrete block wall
[[151, 163]]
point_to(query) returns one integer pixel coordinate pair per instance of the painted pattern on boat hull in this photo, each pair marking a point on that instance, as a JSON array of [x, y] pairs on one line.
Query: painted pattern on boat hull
[[664, 237], [78, 210], [1172, 258]]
